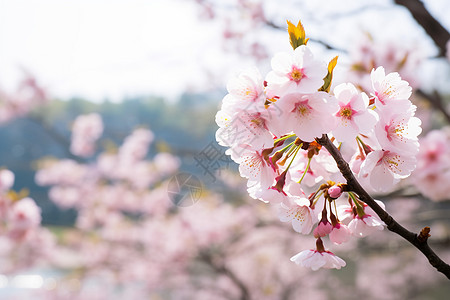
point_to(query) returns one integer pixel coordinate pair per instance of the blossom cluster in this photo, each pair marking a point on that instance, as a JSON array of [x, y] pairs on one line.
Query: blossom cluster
[[368, 53], [270, 127], [122, 175], [23, 242], [28, 95], [125, 217], [85, 131], [433, 166]]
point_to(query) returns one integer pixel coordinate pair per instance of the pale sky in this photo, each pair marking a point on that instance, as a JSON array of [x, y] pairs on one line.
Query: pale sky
[[117, 48], [102, 48]]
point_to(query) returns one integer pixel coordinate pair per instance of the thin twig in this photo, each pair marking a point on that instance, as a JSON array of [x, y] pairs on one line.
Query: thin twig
[[435, 100], [392, 225], [222, 269], [62, 140]]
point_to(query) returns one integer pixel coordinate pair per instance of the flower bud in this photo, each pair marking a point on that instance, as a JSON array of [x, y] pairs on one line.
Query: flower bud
[[335, 191]]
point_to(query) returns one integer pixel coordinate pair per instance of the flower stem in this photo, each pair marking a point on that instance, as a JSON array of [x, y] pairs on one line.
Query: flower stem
[[306, 170]]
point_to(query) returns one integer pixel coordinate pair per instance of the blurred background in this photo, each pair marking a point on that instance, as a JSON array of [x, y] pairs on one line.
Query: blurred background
[[154, 73]]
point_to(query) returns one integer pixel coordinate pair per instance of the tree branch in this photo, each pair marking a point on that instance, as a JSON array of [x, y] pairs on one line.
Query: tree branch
[[222, 269], [419, 241], [56, 136], [435, 100], [432, 27]]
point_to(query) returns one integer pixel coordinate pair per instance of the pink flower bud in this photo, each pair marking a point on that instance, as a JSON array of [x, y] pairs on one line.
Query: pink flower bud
[[335, 191], [323, 229]]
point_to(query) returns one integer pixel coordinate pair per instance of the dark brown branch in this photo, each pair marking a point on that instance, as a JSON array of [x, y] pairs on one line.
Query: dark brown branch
[[436, 101], [432, 27], [392, 225]]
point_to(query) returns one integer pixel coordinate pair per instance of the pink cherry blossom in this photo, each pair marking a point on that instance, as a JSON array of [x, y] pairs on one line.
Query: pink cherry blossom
[[85, 131], [166, 163], [24, 216], [136, 145], [28, 95], [299, 214], [6, 180], [267, 194], [361, 223], [340, 234], [434, 154], [315, 260], [388, 88], [433, 166], [431, 185], [397, 130], [321, 168], [245, 91], [383, 168], [248, 128], [308, 116], [254, 166], [296, 72], [363, 226], [354, 116]]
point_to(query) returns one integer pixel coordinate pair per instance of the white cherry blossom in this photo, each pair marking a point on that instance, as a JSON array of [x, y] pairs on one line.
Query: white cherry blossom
[[389, 88], [384, 168], [299, 214], [315, 260]]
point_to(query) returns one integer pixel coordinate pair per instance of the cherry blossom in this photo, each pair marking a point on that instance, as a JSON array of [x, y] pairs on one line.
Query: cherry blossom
[[315, 260], [389, 88], [363, 220], [245, 91], [255, 167], [24, 242], [6, 179], [397, 130], [273, 139], [28, 95], [86, 130], [299, 214], [365, 225], [23, 217], [308, 116], [340, 233], [354, 116], [246, 128], [433, 165], [383, 168], [296, 72]]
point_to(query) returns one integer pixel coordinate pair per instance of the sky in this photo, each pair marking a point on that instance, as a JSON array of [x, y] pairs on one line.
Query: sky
[[104, 48], [116, 49]]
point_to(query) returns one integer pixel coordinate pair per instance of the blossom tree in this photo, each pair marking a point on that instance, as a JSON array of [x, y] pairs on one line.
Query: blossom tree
[[24, 242], [130, 236], [315, 149], [377, 131]]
